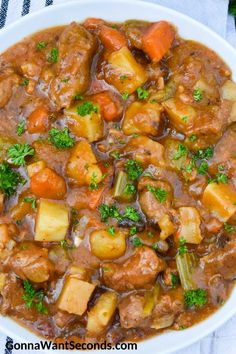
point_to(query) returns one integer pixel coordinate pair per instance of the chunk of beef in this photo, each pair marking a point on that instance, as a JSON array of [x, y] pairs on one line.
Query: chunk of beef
[[31, 263], [165, 311], [7, 80], [76, 48], [137, 272], [131, 312]]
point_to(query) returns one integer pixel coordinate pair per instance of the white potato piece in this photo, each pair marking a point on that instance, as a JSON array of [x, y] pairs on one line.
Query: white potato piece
[[75, 295], [35, 167], [52, 221], [106, 246], [102, 313], [190, 225], [228, 91], [220, 199]]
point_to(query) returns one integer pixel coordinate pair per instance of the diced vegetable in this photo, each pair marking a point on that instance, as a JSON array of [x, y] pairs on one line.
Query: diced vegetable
[[220, 199], [150, 299], [4, 235], [111, 38], [93, 23], [48, 184], [167, 227], [186, 263], [85, 122], [157, 40], [121, 189], [108, 107], [142, 119], [189, 225], [123, 65], [3, 277], [82, 165], [75, 295], [102, 313], [228, 91], [35, 167], [164, 94], [52, 221], [181, 115], [163, 321], [104, 245], [5, 143], [38, 121], [20, 210], [146, 151], [78, 272]]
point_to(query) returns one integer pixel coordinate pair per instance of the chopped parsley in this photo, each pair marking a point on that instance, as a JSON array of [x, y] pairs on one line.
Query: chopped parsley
[[61, 138], [20, 128], [137, 242], [41, 45], [222, 178], [184, 119], [18, 152], [192, 138], [53, 55], [24, 82], [197, 95], [229, 228], [174, 280], [197, 298], [125, 96], [130, 189], [150, 234], [203, 168], [111, 230], [133, 169], [107, 211], [182, 151], [93, 183], [189, 168], [131, 214], [64, 244], [30, 200], [159, 193], [115, 155], [204, 153], [86, 108], [33, 298], [182, 246], [78, 97], [133, 231], [9, 179], [123, 77], [142, 93]]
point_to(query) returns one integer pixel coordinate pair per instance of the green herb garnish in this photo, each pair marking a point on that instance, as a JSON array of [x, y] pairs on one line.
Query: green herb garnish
[[197, 95], [61, 138], [182, 151], [86, 108], [133, 169], [137, 242], [182, 246], [142, 93], [53, 55], [159, 193], [30, 200], [9, 179], [131, 214], [33, 298], [20, 128], [18, 152], [197, 298], [41, 45]]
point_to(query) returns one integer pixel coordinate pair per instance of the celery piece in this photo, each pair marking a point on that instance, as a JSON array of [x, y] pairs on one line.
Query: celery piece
[[185, 265]]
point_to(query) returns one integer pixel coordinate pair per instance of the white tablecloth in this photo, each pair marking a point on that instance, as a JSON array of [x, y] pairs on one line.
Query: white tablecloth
[[214, 14]]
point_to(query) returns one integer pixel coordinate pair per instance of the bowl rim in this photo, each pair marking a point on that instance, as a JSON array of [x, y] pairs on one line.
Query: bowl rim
[[205, 327]]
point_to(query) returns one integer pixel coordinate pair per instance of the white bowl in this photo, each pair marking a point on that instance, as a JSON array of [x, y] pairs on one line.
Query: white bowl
[[120, 10]]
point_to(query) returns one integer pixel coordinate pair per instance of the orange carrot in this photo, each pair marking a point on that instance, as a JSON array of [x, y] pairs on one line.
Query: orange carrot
[[92, 23], [157, 40], [108, 107], [112, 39], [94, 197], [38, 121], [48, 184]]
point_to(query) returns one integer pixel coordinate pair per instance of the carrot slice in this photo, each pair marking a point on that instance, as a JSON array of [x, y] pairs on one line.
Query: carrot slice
[[108, 107], [48, 184], [38, 121], [94, 197], [111, 38], [157, 40], [92, 23]]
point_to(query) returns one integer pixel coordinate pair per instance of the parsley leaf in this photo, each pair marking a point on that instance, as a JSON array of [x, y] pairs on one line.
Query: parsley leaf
[[111, 230], [137, 242], [182, 246], [174, 280], [125, 96], [41, 45], [131, 214], [24, 82], [133, 230], [197, 95], [182, 151], [34, 298], [30, 200], [204, 153], [86, 108], [133, 169], [197, 297], [18, 152], [53, 55], [20, 128], [93, 183], [159, 193], [61, 138], [107, 211], [192, 138], [142, 93], [130, 189], [9, 179], [229, 228], [184, 119], [203, 168], [115, 155], [222, 178]]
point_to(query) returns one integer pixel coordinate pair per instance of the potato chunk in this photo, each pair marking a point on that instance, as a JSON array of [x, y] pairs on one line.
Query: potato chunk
[[102, 313], [182, 116], [107, 246], [75, 295], [220, 199], [35, 167], [228, 91], [190, 225], [142, 118], [52, 221], [89, 126], [82, 165], [122, 63]]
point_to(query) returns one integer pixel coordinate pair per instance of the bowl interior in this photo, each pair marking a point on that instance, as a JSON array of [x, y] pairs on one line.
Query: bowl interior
[[120, 10]]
